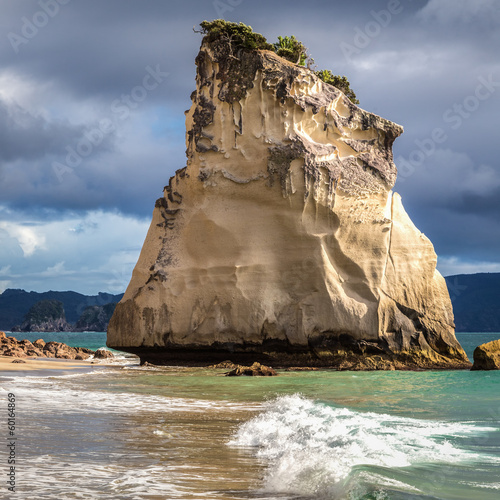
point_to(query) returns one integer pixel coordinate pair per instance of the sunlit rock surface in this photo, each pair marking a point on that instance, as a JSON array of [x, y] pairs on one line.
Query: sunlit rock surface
[[281, 240], [487, 356]]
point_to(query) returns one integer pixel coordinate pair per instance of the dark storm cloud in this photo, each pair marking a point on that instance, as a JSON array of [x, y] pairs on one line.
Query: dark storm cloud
[[25, 136], [456, 203], [416, 62], [106, 180], [463, 236], [101, 49]]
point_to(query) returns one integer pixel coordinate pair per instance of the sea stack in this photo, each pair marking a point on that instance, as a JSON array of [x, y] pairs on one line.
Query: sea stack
[[281, 240]]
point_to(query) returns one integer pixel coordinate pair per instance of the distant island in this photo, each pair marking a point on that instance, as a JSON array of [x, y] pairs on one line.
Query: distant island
[[55, 311]]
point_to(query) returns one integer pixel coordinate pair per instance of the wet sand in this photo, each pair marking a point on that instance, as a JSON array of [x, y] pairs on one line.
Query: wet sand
[[37, 364]]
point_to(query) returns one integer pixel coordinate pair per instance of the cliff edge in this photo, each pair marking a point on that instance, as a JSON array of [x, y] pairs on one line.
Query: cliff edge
[[281, 240]]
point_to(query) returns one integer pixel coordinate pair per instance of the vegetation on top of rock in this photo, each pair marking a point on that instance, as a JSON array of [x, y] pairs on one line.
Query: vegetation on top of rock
[[291, 49], [340, 82], [241, 36], [237, 34]]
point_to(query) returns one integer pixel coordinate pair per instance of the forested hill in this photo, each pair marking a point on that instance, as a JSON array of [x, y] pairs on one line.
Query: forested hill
[[14, 304]]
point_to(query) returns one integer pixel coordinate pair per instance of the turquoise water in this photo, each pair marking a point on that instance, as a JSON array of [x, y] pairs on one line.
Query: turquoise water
[[189, 433], [469, 341]]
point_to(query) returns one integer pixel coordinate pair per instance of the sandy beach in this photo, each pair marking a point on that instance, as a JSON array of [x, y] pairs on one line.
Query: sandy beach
[[36, 364]]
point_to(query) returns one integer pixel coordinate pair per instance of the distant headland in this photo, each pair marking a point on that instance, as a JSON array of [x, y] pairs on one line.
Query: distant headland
[[55, 311]]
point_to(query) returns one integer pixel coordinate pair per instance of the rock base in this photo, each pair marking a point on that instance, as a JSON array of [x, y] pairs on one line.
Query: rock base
[[343, 353]]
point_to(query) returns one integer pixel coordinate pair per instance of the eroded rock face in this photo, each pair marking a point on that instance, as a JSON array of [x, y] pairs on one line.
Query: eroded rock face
[[281, 240], [487, 356]]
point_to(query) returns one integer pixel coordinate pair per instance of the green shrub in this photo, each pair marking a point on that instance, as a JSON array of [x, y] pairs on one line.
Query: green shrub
[[291, 49], [340, 82]]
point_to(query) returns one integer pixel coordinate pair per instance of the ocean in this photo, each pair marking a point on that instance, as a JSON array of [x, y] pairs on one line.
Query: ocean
[[122, 431]]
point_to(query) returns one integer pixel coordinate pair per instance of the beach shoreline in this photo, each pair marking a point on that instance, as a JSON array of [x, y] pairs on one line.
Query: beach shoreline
[[159, 431], [30, 365]]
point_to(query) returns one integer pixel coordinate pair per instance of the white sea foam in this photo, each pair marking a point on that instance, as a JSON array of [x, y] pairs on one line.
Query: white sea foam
[[52, 376], [60, 394], [119, 358], [313, 448], [491, 486], [98, 481]]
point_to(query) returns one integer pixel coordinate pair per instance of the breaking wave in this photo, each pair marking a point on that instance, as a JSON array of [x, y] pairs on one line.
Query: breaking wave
[[314, 449]]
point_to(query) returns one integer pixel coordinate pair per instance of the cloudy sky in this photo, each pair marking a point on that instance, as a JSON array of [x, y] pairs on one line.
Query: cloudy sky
[[92, 95]]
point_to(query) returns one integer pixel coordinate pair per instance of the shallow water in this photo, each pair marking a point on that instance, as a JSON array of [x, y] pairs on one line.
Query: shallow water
[[130, 432]]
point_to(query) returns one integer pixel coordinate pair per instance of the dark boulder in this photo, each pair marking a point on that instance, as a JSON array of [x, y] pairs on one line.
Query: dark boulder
[[102, 353], [255, 370]]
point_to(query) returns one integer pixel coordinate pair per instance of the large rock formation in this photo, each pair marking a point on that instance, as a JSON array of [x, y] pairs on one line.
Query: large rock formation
[[281, 240]]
